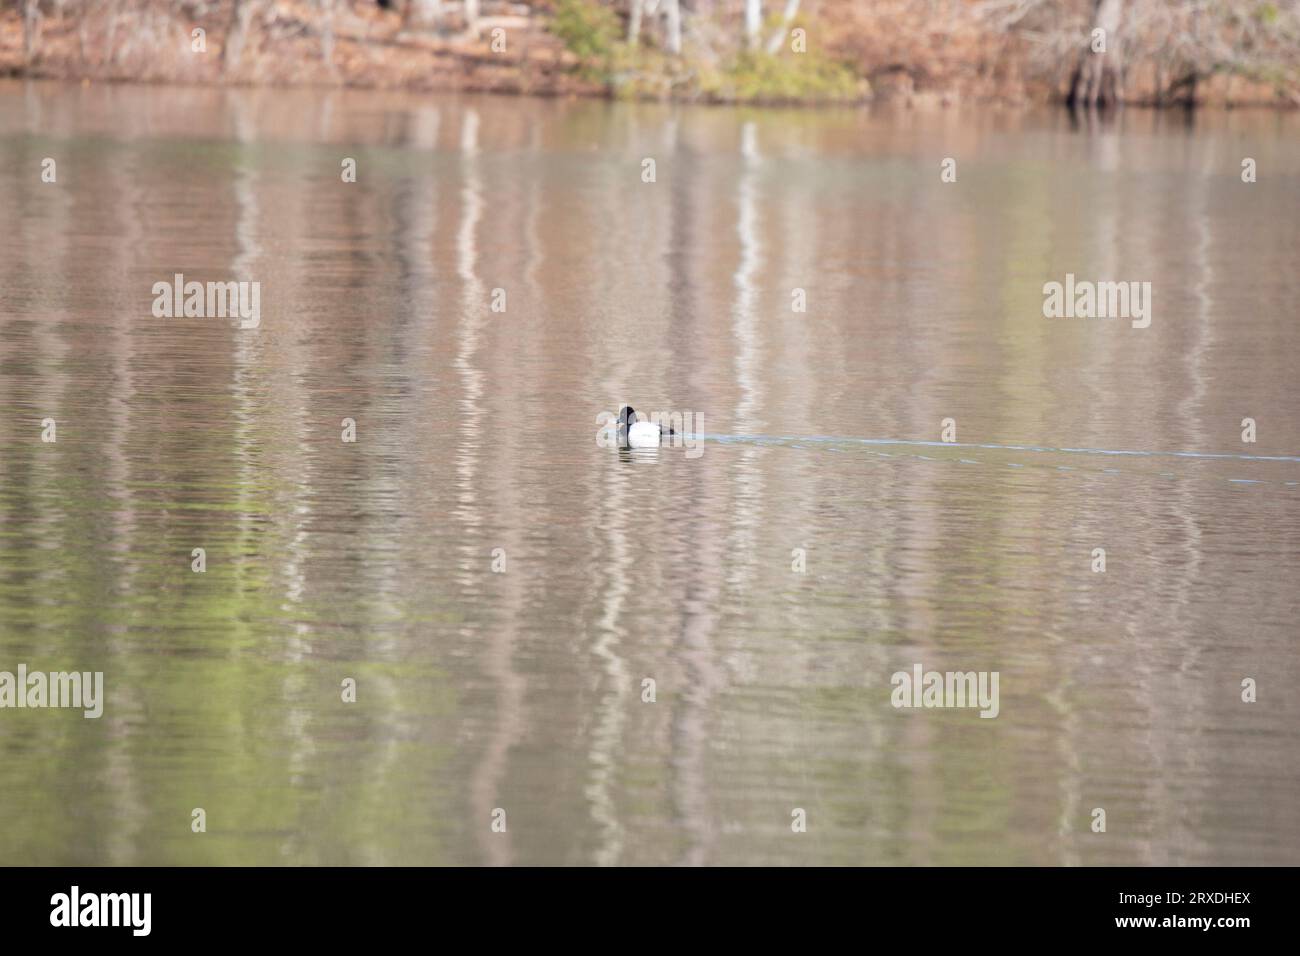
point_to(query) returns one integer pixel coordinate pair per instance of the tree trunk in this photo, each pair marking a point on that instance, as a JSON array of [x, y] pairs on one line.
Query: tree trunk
[[778, 38], [31, 28], [233, 48], [634, 22], [753, 23], [327, 32], [1099, 77], [673, 26]]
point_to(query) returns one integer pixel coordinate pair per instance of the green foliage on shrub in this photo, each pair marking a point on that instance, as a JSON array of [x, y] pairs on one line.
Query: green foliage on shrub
[[590, 31], [787, 77], [594, 33]]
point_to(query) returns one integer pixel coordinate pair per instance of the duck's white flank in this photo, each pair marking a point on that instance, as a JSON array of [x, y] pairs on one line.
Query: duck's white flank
[[643, 435]]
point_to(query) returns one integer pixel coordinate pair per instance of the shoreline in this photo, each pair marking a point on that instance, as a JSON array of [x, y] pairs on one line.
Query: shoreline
[[577, 49], [925, 103]]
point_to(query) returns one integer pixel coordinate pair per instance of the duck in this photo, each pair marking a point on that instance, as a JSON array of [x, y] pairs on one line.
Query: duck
[[635, 433]]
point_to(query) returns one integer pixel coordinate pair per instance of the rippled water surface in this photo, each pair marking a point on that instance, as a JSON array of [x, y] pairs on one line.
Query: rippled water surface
[[522, 688]]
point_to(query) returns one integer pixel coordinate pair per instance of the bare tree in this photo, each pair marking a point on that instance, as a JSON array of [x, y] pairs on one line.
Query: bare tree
[[753, 23], [634, 22], [327, 32], [1099, 76], [778, 38], [233, 48], [672, 12], [31, 28], [673, 26]]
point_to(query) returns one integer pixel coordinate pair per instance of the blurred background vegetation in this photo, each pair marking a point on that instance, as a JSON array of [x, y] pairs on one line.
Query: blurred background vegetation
[[1158, 52]]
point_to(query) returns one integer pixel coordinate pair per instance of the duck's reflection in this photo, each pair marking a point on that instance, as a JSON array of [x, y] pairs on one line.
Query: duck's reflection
[[642, 455]]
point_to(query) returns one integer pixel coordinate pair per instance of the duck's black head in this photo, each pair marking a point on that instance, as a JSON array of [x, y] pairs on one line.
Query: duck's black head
[[626, 416]]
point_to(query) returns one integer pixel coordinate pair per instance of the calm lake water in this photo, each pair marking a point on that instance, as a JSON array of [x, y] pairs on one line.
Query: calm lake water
[[521, 688]]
